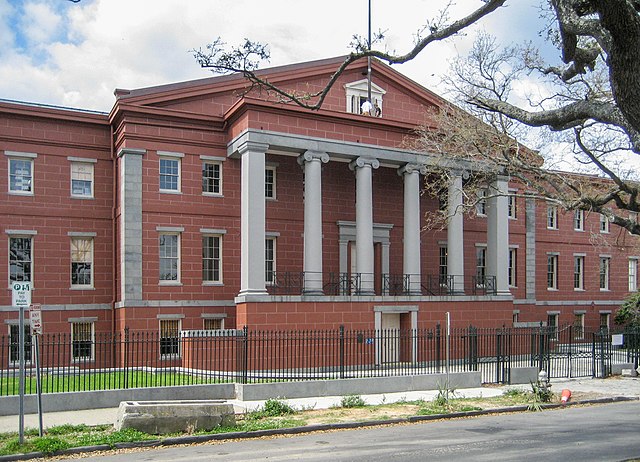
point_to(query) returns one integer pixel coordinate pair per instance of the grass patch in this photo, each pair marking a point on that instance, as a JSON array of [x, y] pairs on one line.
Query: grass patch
[[351, 401]]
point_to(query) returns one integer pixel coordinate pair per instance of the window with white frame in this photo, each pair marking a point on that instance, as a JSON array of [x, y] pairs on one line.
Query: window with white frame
[[357, 94], [633, 274], [14, 343], [169, 338], [578, 272], [578, 220], [552, 216], [81, 179], [20, 259], [513, 207], [552, 271], [270, 259], [552, 325], [605, 319], [169, 174], [604, 224], [513, 259], [270, 182], [169, 247], [82, 340], [212, 178], [21, 174], [213, 323], [81, 262], [212, 258], [578, 326], [442, 266], [481, 266], [604, 272], [481, 204]]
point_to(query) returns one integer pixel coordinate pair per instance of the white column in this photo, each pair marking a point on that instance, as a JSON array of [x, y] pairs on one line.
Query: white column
[[498, 233], [252, 219], [411, 242], [455, 233], [364, 221], [312, 265]]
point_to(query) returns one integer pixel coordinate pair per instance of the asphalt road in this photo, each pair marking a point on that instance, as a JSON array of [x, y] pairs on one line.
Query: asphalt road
[[604, 432]]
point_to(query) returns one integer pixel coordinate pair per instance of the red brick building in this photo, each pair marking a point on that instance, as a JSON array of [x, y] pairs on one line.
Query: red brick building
[[197, 206]]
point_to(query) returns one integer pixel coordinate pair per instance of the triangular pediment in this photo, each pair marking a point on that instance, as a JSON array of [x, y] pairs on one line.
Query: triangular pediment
[[362, 85]]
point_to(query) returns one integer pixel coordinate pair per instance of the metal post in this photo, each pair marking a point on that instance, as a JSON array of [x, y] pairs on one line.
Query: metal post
[[21, 378], [38, 384], [342, 352], [369, 57], [448, 350]]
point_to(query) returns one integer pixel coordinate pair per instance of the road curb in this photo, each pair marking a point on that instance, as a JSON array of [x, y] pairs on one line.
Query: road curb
[[306, 429]]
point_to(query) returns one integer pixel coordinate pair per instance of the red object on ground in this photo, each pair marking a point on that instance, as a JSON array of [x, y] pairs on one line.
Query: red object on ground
[[566, 394]]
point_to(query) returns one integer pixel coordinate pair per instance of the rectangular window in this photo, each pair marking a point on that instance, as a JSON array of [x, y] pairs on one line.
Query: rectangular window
[[604, 224], [513, 208], [578, 220], [81, 262], [169, 338], [213, 323], [513, 259], [20, 259], [270, 260], [578, 272], [481, 205], [578, 326], [14, 343], [552, 217], [633, 274], [169, 257], [169, 174], [212, 178], [481, 265], [82, 340], [211, 258], [81, 179], [604, 320], [270, 183], [442, 266], [604, 273], [21, 176], [552, 272], [552, 324]]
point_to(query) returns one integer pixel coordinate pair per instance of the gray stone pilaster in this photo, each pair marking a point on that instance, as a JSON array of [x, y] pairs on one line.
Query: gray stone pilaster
[[411, 239], [130, 170], [455, 233], [498, 233], [530, 253]]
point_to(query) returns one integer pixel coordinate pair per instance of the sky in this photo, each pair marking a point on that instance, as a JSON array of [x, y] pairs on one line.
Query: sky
[[76, 54]]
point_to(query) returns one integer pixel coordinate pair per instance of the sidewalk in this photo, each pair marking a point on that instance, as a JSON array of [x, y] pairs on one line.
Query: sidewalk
[[615, 386]]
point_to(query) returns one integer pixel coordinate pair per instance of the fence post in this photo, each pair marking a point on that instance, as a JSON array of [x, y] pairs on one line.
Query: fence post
[[342, 352], [126, 357], [499, 364], [244, 351], [473, 348], [438, 356]]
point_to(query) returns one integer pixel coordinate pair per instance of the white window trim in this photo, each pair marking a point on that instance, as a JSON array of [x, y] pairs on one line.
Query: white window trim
[[555, 275], [217, 162], [20, 234], [607, 273], [634, 287], [554, 208], [275, 182], [171, 231], [359, 89], [91, 322], [89, 236], [513, 268], [272, 237], [481, 205], [176, 156], [29, 156], [583, 259], [90, 162], [15, 322], [219, 233], [512, 198], [604, 219], [578, 219]]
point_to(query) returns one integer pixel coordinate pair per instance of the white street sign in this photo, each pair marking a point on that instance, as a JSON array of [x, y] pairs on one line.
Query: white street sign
[[35, 318], [21, 294]]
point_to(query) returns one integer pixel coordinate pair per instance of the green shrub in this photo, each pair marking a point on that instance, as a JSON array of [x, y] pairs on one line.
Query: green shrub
[[350, 401]]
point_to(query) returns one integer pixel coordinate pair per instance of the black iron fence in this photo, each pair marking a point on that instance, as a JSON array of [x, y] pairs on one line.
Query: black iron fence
[[143, 359]]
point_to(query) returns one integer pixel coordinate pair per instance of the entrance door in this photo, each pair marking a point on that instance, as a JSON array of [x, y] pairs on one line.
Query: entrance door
[[390, 337]]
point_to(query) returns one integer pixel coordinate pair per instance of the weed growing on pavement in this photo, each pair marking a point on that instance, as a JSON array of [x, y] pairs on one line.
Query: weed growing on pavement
[[351, 401]]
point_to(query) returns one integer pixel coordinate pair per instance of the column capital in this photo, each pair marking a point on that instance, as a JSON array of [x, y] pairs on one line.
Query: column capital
[[459, 172], [308, 156], [364, 162], [124, 151], [252, 146], [411, 168]]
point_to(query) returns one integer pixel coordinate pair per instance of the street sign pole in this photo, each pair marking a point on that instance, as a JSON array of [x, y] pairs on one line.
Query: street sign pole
[[21, 297], [35, 320]]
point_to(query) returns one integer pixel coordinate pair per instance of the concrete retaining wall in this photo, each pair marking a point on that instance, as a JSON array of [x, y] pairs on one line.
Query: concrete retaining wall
[[53, 402], [520, 375], [343, 387]]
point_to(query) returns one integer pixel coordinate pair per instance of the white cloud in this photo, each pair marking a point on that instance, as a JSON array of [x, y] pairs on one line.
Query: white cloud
[[40, 23]]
